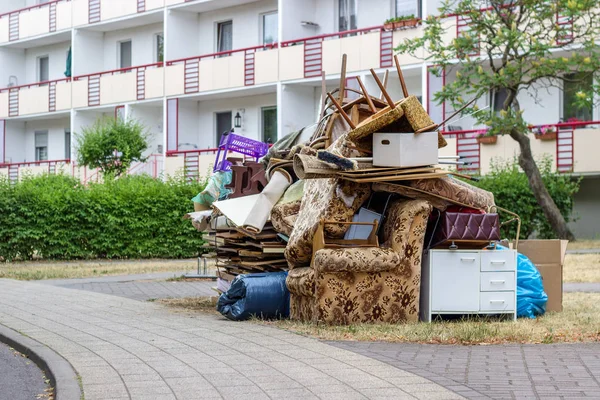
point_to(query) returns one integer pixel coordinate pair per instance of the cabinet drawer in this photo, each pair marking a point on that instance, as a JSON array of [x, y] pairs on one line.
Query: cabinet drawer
[[497, 301], [455, 281], [497, 281], [498, 260]]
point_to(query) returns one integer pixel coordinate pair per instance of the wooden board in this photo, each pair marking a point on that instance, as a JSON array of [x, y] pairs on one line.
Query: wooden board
[[408, 177], [389, 172]]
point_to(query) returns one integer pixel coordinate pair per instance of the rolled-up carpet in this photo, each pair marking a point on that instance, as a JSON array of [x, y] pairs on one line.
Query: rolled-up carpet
[[261, 211]]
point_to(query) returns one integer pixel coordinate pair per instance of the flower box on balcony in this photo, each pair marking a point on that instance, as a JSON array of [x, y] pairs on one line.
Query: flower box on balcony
[[547, 136], [388, 26], [487, 139], [399, 24], [412, 22]]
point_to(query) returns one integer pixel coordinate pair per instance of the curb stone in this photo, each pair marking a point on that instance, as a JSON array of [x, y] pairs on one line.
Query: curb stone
[[61, 374]]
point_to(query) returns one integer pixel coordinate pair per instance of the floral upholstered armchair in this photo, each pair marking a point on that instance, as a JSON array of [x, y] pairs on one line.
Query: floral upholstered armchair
[[366, 284]]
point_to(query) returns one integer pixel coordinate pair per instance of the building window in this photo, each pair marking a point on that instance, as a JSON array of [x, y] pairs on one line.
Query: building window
[[159, 48], [224, 36], [405, 8], [41, 146], [223, 124], [497, 99], [269, 28], [569, 109], [43, 69], [347, 15], [67, 144], [125, 54], [269, 124]]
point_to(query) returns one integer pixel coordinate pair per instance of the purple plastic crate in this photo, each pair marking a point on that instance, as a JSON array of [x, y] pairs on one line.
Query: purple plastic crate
[[239, 144]]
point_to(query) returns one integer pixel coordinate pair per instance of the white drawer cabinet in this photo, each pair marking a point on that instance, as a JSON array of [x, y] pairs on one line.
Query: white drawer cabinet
[[468, 282]]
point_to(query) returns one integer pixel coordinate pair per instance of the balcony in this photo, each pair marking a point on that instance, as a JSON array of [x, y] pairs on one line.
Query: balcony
[[119, 86], [572, 138], [38, 20], [94, 11], [35, 98]]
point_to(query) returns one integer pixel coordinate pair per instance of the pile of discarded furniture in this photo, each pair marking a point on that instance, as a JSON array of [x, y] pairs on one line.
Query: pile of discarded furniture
[[359, 213]]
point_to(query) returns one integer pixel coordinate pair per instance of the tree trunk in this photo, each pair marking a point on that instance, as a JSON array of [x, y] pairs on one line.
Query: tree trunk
[[551, 211]]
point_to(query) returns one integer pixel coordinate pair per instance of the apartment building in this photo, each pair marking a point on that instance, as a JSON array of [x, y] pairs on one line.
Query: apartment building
[[190, 70]]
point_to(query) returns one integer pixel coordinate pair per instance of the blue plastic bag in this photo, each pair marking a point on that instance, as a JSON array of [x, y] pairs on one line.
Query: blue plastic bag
[[531, 298], [263, 295]]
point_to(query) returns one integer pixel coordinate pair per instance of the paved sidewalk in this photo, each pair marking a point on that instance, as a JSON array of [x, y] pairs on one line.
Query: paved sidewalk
[[549, 372], [140, 287], [126, 349], [582, 287], [584, 251]]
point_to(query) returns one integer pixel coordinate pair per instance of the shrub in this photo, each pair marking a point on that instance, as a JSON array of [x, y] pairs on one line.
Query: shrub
[[512, 191], [112, 144], [55, 217]]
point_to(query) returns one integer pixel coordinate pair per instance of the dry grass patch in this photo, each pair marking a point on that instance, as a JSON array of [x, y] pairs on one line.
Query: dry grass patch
[[35, 270], [579, 322], [582, 268], [584, 244], [204, 304]]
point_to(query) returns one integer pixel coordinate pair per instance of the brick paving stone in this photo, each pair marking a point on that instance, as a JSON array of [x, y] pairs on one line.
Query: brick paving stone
[[498, 372], [139, 287], [129, 349]]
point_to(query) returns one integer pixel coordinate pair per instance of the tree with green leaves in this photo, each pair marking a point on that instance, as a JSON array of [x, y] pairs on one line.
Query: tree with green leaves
[[519, 48], [112, 145]]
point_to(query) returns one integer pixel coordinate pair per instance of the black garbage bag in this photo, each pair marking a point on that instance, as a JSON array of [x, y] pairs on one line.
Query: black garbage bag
[[264, 295]]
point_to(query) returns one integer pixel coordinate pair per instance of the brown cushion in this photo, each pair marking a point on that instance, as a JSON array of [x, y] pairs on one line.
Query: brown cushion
[[355, 259]]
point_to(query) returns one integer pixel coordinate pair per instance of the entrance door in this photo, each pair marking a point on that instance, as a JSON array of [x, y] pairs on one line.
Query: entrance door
[[223, 124], [269, 124]]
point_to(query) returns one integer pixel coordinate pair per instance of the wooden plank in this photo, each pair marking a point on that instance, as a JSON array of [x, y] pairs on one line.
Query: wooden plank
[[399, 177], [389, 173]]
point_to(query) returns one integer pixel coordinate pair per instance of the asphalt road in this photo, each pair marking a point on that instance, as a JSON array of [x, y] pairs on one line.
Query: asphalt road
[[20, 378]]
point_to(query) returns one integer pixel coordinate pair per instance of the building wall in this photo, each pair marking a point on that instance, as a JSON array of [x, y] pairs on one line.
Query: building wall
[[293, 13], [15, 141], [188, 125], [246, 25], [12, 63], [143, 44], [151, 117], [56, 137], [177, 40], [88, 52], [586, 206], [57, 57], [10, 5], [298, 107], [251, 116]]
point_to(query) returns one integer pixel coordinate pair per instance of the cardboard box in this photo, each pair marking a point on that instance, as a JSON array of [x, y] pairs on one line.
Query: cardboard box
[[548, 257], [405, 149]]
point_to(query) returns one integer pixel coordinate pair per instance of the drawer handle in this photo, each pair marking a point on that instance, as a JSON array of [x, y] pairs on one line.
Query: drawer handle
[[498, 262], [497, 282], [496, 301], [470, 259]]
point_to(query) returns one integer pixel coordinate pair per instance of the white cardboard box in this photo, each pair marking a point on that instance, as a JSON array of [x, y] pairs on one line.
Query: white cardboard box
[[405, 149]]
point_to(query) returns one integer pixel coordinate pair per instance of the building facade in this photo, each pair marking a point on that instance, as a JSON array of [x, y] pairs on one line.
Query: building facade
[[190, 70]]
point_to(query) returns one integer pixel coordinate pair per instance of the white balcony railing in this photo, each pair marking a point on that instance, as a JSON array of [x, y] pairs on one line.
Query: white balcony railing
[[118, 86], [35, 98]]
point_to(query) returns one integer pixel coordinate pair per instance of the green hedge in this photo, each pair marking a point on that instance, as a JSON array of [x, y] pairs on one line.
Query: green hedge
[[512, 191], [55, 217]]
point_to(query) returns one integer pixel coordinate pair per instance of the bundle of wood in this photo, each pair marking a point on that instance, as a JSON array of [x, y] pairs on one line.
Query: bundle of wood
[[238, 251]]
